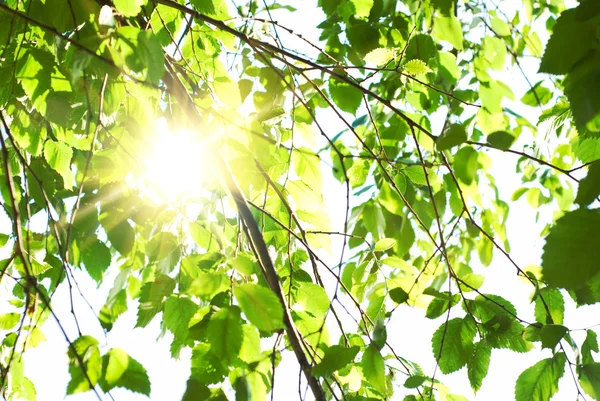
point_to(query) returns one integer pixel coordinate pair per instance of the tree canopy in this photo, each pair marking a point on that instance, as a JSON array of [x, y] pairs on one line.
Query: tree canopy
[[319, 184]]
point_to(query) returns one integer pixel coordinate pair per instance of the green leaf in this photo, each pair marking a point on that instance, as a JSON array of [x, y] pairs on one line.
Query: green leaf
[[178, 311], [163, 21], [204, 6], [96, 257], [121, 370], [9, 320], [130, 8], [243, 264], [448, 67], [308, 168], [363, 37], [207, 367], [588, 150], [84, 348], [336, 357], [416, 67], [421, 47], [589, 379], [261, 306], [501, 140], [444, 6], [313, 299], [533, 333], [544, 95], [487, 306], [227, 91], [58, 155], [551, 334], [499, 26], [379, 56], [466, 165], [362, 7], [242, 389], [214, 8], [398, 295], [374, 368], [113, 308], [453, 136], [489, 121], [151, 54], [458, 335], [448, 29], [582, 89], [208, 284], [164, 250], [417, 175], [358, 173], [345, 96], [151, 298], [494, 52], [572, 249], [384, 244], [121, 237], [501, 328], [540, 382], [207, 235], [471, 282], [3, 239], [250, 351], [414, 381], [224, 333], [589, 344], [478, 364], [553, 300], [439, 305], [109, 165], [569, 43], [196, 390]]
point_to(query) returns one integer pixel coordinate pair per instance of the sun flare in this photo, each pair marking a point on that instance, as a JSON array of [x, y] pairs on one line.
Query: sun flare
[[176, 165]]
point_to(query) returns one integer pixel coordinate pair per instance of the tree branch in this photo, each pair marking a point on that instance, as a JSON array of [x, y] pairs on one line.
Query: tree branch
[[178, 91]]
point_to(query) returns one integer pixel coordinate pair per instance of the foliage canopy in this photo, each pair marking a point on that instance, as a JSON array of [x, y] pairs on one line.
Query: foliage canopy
[[237, 270]]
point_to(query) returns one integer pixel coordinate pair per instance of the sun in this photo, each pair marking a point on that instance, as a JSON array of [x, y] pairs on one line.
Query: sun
[[176, 166]]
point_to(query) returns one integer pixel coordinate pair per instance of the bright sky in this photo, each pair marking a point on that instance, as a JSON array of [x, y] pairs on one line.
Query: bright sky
[[409, 330]]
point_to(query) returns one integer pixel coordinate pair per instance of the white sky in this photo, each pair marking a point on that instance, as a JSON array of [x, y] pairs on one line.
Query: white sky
[[408, 330]]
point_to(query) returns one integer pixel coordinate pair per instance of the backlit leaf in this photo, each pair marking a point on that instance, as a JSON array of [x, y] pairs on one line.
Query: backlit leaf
[[549, 300], [501, 140], [130, 8], [540, 382], [448, 29], [572, 249], [478, 364], [374, 368], [457, 348], [121, 370], [570, 36], [84, 349], [336, 357], [453, 136], [538, 95], [589, 379], [551, 334], [416, 67], [384, 244], [345, 96], [225, 334], [151, 298], [58, 155], [260, 305]]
